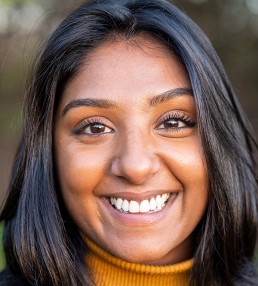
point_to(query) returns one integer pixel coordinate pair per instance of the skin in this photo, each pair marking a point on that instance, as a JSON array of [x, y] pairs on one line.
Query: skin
[[135, 154]]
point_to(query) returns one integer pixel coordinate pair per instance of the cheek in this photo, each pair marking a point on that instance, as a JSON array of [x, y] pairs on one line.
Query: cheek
[[79, 170], [186, 162]]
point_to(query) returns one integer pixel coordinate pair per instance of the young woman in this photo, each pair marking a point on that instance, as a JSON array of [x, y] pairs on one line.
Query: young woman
[[137, 165]]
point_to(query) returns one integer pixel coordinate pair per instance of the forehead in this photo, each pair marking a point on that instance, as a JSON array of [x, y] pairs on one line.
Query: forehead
[[128, 71]]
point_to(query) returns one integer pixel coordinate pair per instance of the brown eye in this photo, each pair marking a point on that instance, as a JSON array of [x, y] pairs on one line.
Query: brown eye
[[97, 128], [172, 123]]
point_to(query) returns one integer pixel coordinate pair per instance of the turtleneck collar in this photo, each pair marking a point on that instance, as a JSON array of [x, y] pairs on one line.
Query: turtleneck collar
[[108, 270]]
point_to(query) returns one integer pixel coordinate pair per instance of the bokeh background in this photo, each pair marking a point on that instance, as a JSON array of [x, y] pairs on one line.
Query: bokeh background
[[231, 25]]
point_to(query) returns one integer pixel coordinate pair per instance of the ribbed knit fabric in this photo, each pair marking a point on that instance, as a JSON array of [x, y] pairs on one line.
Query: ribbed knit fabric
[[108, 270]]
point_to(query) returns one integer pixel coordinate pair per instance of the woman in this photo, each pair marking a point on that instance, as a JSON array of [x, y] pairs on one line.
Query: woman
[[137, 165]]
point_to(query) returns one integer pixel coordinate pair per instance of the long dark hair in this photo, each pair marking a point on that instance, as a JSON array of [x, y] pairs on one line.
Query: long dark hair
[[41, 242]]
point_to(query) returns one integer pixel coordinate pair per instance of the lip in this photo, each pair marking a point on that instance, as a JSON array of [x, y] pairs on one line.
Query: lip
[[138, 218], [138, 197]]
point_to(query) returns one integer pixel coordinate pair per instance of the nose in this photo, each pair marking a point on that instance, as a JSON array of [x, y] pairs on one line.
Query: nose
[[135, 161]]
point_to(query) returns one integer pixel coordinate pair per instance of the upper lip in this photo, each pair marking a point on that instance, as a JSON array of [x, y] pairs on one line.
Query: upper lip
[[140, 196]]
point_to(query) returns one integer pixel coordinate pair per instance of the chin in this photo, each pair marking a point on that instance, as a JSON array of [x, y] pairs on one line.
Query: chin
[[144, 253], [152, 251]]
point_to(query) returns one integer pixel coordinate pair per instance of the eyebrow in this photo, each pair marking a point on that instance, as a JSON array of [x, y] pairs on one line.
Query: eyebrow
[[106, 103], [170, 94], [100, 103]]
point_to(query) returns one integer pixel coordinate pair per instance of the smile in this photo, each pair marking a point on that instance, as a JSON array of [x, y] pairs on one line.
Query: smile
[[151, 205]]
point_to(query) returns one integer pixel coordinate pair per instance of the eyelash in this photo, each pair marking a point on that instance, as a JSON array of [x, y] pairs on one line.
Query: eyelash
[[86, 123], [183, 117]]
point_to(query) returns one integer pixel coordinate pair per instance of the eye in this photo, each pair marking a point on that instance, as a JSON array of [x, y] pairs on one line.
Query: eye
[[92, 127], [176, 121], [97, 128], [172, 123]]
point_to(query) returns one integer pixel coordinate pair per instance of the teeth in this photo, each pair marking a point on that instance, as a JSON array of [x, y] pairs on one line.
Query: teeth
[[125, 206], [159, 202], [134, 207], [153, 204], [145, 206], [165, 197], [118, 203], [112, 201]]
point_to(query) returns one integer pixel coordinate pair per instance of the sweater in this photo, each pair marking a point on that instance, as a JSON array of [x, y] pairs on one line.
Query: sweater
[[108, 270]]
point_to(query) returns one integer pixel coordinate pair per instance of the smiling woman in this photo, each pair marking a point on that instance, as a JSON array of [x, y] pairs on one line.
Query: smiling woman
[[137, 165], [135, 129]]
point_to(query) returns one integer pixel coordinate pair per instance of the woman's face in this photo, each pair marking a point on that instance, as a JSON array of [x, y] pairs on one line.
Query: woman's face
[[128, 153]]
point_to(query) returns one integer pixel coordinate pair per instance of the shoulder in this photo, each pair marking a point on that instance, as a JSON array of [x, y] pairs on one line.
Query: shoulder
[[7, 278]]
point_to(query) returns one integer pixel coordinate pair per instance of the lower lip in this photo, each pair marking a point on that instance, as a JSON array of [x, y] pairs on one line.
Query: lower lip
[[140, 218]]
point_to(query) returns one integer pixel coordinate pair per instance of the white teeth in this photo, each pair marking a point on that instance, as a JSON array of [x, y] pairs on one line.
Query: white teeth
[[125, 206], [118, 203], [164, 197], [153, 204], [145, 206], [134, 207], [159, 202]]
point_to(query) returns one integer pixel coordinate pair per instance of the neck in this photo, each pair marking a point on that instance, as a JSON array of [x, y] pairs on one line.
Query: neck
[[109, 270]]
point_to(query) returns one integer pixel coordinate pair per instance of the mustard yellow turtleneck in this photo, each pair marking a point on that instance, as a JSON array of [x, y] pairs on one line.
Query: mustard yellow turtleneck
[[108, 270]]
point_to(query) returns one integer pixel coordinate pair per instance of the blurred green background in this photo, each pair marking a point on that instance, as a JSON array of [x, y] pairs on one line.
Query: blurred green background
[[231, 25]]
